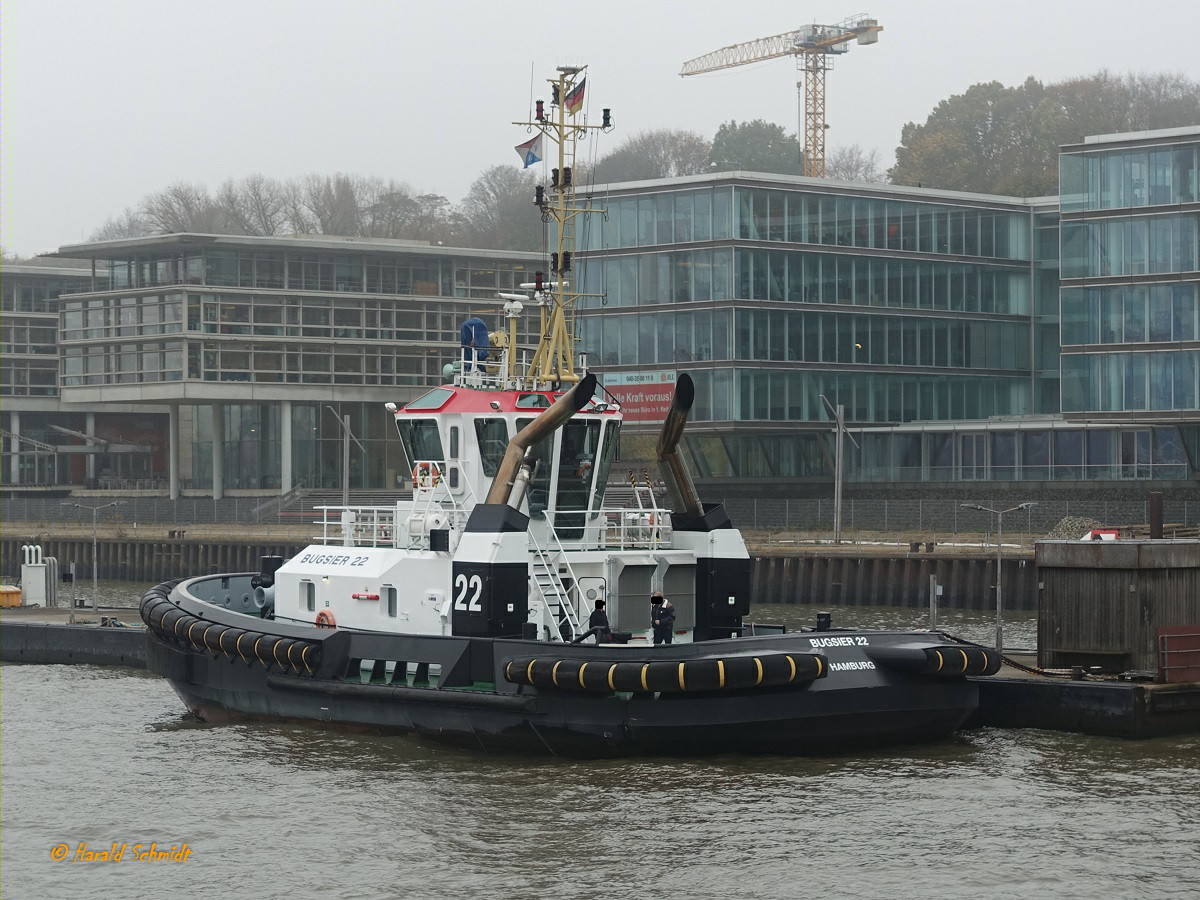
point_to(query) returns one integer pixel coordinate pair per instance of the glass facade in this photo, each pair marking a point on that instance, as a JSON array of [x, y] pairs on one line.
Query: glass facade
[[1030, 454], [1155, 175], [1130, 245], [1005, 454], [29, 301], [900, 308], [1160, 313], [279, 316], [1130, 298], [221, 320], [399, 272], [252, 448], [1046, 339]]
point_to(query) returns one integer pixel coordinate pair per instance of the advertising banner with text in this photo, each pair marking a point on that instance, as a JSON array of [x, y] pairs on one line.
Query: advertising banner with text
[[644, 396]]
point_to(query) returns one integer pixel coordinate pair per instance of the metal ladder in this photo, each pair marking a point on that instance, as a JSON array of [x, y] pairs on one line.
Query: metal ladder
[[544, 574]]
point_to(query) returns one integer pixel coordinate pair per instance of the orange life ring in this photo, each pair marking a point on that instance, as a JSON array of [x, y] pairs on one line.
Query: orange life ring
[[325, 619]]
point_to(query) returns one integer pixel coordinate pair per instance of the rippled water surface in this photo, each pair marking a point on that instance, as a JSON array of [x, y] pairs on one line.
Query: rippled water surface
[[103, 755]]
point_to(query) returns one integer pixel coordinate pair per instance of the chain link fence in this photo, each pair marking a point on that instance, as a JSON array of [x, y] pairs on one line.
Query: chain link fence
[[145, 511], [928, 518], [868, 519]]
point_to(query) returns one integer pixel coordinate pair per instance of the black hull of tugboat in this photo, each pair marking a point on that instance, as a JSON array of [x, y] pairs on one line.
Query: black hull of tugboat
[[207, 655]]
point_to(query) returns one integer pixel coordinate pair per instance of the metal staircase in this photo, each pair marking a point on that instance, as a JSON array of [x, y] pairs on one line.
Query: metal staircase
[[543, 573]]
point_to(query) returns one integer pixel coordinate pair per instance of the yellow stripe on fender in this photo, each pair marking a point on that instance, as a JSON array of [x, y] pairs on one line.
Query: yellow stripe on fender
[[792, 664], [645, 672], [582, 669], [507, 669], [529, 671], [611, 671], [554, 673], [965, 663], [941, 662], [720, 673], [758, 665], [682, 685], [820, 666]]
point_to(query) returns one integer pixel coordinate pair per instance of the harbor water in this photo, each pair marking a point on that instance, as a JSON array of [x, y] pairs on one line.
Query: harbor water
[[106, 756]]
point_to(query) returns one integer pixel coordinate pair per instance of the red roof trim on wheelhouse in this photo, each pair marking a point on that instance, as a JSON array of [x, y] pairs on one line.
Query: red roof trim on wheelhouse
[[468, 400]]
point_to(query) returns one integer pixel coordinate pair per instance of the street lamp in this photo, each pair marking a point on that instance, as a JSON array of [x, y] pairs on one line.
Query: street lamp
[[347, 436], [838, 414], [999, 514], [95, 556]]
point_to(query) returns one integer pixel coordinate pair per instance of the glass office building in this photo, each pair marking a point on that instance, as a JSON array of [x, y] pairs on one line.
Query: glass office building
[[256, 347], [1130, 275], [47, 442], [932, 317]]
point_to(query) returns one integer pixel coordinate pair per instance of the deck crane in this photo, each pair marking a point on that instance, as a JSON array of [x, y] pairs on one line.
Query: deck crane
[[814, 47]]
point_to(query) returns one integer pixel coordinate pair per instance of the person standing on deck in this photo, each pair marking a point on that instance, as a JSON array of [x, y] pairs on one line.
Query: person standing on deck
[[597, 626], [662, 615]]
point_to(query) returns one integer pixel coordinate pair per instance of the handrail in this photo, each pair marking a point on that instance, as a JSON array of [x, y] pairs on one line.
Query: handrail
[[275, 504], [564, 602], [640, 528], [567, 560]]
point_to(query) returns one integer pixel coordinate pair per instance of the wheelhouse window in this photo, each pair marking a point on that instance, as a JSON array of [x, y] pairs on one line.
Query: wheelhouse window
[[492, 435], [422, 442], [577, 458], [435, 399], [608, 452], [538, 496]]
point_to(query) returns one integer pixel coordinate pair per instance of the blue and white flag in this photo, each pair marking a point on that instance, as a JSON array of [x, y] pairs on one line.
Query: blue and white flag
[[530, 151]]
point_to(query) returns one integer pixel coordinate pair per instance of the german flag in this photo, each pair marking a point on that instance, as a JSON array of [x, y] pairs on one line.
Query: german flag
[[574, 99]]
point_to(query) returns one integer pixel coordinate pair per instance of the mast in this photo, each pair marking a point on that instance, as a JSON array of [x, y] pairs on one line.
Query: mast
[[565, 123]]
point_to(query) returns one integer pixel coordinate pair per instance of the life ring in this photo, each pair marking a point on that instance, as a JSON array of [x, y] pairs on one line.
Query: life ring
[[325, 619]]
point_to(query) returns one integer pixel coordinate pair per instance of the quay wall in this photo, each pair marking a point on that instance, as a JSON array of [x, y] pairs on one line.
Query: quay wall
[[893, 580], [72, 645], [875, 579], [125, 559]]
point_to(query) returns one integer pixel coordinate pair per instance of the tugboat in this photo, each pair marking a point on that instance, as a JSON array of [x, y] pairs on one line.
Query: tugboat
[[462, 614]]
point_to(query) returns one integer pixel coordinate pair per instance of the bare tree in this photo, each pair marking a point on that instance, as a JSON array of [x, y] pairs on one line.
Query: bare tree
[[183, 207], [254, 205], [331, 203], [129, 224], [853, 163], [498, 211]]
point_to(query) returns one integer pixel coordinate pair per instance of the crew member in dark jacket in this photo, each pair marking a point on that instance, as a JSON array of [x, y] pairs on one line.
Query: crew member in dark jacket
[[597, 625], [662, 615]]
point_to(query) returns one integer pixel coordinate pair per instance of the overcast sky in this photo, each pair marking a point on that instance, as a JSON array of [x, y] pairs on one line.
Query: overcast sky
[[104, 102]]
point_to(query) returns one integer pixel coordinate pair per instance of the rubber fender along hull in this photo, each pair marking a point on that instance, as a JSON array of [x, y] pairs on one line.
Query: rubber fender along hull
[[942, 660], [706, 674], [167, 621]]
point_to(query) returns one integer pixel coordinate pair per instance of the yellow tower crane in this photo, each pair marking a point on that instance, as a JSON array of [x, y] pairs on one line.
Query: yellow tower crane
[[814, 47]]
